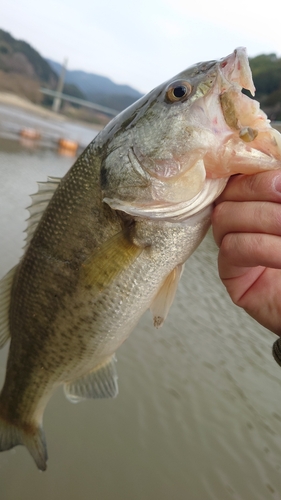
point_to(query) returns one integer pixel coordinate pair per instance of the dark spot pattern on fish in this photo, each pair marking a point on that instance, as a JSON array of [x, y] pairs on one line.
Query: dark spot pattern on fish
[[113, 239], [103, 177]]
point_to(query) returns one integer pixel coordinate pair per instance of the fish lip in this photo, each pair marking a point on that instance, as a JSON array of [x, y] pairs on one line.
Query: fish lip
[[235, 70], [234, 74]]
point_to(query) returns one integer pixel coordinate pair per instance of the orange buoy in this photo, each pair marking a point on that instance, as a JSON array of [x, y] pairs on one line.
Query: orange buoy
[[67, 144], [66, 152], [30, 133]]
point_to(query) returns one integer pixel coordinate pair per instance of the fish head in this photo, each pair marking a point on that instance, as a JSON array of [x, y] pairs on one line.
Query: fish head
[[180, 143]]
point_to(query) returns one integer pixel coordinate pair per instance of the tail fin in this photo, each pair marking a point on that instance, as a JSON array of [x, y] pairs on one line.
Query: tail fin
[[28, 435]]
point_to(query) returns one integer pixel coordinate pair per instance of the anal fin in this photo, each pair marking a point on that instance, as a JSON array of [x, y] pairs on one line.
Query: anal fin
[[100, 383], [165, 296]]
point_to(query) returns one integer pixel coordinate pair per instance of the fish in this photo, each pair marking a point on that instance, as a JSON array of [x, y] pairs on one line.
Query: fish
[[109, 240]]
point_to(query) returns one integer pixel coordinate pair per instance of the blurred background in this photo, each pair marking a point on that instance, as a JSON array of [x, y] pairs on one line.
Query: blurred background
[[117, 53], [198, 416]]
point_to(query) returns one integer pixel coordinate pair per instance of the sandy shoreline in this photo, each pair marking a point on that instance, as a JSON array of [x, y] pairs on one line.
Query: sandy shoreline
[[9, 99]]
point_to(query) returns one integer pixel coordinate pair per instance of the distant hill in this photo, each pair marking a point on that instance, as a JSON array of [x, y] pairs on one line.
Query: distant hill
[[19, 57], [23, 71], [99, 89]]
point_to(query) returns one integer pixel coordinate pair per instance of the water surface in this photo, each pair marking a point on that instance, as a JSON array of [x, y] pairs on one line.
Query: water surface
[[198, 416]]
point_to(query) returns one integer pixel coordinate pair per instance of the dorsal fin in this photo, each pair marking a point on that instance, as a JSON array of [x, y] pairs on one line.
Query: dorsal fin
[[163, 300], [40, 201], [100, 383], [5, 298]]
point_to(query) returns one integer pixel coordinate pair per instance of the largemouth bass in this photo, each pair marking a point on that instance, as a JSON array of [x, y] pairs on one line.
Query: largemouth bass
[[110, 239]]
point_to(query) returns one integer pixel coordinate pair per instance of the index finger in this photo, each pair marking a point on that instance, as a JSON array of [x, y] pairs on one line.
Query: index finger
[[264, 186]]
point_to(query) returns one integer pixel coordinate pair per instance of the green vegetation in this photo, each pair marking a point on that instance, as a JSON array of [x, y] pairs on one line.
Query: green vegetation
[[266, 69]]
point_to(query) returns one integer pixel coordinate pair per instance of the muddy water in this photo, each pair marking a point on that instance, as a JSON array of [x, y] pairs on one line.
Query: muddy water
[[198, 416]]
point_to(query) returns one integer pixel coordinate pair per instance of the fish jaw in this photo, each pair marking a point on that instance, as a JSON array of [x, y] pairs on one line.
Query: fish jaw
[[175, 212], [235, 69], [249, 144]]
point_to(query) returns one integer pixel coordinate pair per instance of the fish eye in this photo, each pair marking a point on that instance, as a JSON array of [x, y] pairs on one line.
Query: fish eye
[[178, 91]]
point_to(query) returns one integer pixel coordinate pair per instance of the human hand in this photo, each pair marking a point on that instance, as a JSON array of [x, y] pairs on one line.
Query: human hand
[[247, 228]]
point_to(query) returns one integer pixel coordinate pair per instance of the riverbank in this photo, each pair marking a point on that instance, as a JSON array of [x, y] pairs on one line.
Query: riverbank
[[38, 127], [9, 99]]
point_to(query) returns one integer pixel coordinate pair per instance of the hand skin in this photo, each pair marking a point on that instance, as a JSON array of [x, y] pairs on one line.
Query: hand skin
[[247, 229]]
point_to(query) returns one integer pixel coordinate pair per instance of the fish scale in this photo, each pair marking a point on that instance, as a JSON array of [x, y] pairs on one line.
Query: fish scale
[[110, 239]]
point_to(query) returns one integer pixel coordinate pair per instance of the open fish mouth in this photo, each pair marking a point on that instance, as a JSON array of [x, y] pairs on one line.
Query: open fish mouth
[[243, 140], [241, 113], [217, 131]]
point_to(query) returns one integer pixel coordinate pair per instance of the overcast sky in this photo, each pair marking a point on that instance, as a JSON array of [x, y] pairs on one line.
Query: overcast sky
[[144, 42]]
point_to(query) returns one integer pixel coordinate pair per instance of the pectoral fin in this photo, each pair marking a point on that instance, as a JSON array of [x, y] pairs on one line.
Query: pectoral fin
[[165, 296], [100, 383], [109, 260]]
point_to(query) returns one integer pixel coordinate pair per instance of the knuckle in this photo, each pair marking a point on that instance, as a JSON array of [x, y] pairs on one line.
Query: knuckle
[[269, 216], [217, 218], [260, 185], [218, 213], [252, 183], [227, 246], [276, 218]]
